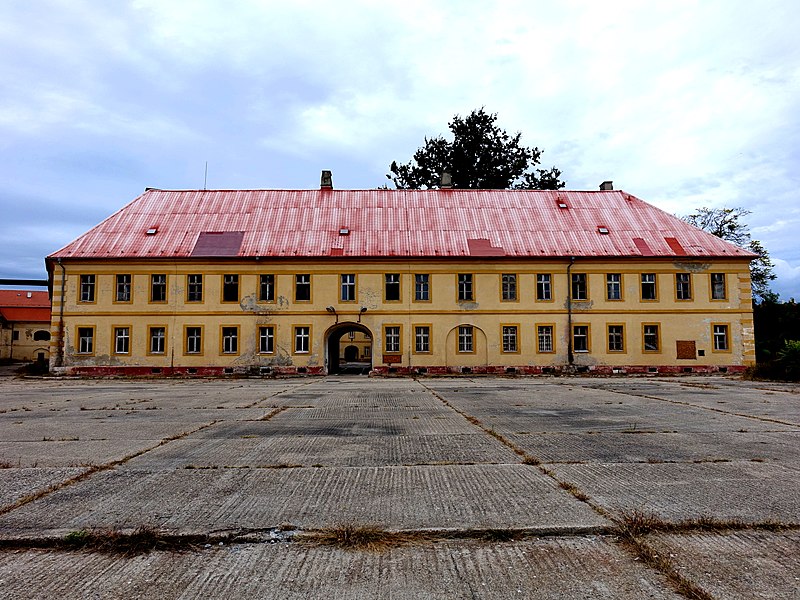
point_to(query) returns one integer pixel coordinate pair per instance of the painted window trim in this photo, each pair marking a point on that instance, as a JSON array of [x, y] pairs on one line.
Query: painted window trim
[[202, 289], [399, 338], [399, 288], [536, 291], [588, 338], [114, 299], [430, 289], [517, 338], [149, 340], [151, 288], [222, 329], [728, 336], [516, 288], [473, 290], [429, 351], [274, 288], [93, 329], [258, 339], [660, 340], [355, 288], [691, 287], [310, 288], [94, 288], [186, 340], [114, 329], [310, 339], [724, 287], [588, 297], [621, 288], [624, 339], [655, 287], [553, 338]]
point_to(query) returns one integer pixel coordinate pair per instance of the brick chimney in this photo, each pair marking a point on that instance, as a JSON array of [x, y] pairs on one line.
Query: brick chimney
[[447, 181], [607, 186], [326, 181]]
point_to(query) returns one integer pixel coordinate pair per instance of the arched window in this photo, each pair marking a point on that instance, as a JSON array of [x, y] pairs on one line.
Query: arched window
[[41, 336]]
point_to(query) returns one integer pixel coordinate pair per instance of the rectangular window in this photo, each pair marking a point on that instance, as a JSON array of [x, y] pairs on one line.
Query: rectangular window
[[422, 290], [87, 288], [616, 338], [230, 340], [580, 338], [683, 286], [194, 340], [465, 339], [651, 338], [649, 286], [509, 287], [266, 339], [391, 336], [266, 288], [85, 340], [580, 290], [544, 290], [302, 288], [302, 339], [718, 286], [392, 287], [122, 340], [422, 338], [123, 288], [545, 336], [613, 286], [158, 340], [230, 288], [194, 288], [721, 338], [158, 288], [510, 338], [465, 291], [348, 288]]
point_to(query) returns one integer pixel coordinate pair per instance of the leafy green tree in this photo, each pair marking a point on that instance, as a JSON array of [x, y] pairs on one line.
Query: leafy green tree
[[728, 224], [480, 156]]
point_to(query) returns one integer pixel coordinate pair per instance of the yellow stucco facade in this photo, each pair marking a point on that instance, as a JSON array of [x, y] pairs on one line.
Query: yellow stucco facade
[[273, 316]]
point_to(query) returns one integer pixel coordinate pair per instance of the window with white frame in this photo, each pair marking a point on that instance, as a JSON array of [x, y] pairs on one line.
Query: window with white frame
[[544, 334], [302, 287], [510, 338], [580, 338], [683, 286], [616, 338], [465, 290], [422, 290], [466, 336], [580, 290], [85, 340], [194, 287], [422, 338], [649, 286], [194, 340], [266, 339], [613, 286], [266, 287], [158, 287], [302, 339], [391, 338], [721, 338], [651, 338], [544, 289], [87, 288], [718, 286], [158, 340], [230, 340], [391, 287], [508, 283], [348, 287], [122, 292], [122, 340]]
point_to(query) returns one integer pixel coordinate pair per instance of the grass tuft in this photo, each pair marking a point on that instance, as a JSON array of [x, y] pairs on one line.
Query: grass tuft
[[142, 540], [364, 538]]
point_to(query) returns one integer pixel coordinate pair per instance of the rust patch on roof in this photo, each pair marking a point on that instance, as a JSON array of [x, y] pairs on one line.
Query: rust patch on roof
[[481, 247], [218, 243], [643, 247], [676, 246]]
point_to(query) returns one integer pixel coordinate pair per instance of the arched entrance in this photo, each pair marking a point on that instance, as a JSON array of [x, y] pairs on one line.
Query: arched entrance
[[348, 349]]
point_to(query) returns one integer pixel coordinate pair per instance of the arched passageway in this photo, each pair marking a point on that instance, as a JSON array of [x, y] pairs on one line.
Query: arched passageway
[[348, 349]]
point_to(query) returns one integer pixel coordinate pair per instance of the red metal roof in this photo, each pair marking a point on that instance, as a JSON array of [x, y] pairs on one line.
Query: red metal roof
[[20, 298], [25, 315], [404, 223]]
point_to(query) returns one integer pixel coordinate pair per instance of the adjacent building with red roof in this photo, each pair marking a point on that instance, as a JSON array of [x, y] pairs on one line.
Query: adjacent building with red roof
[[437, 281], [24, 325]]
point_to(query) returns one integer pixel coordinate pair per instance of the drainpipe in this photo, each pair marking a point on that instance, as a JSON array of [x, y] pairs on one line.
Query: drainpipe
[[570, 355], [60, 354], [11, 347]]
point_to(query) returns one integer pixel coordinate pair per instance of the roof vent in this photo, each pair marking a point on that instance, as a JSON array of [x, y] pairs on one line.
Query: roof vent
[[152, 231], [562, 203], [607, 186], [602, 230], [344, 231], [326, 181]]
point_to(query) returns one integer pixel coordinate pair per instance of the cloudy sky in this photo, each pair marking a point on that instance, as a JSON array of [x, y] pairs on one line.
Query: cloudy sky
[[681, 103]]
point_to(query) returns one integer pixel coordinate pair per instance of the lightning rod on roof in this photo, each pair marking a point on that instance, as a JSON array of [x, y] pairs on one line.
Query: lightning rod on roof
[[205, 177]]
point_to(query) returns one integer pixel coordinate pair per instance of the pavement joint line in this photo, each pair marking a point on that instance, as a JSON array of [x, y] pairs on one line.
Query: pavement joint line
[[96, 469], [700, 406], [636, 546]]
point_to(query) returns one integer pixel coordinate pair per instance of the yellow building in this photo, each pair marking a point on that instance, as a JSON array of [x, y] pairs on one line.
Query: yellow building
[[24, 326], [442, 281]]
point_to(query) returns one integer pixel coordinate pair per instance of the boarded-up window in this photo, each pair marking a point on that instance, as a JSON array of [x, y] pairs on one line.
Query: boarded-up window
[[686, 349]]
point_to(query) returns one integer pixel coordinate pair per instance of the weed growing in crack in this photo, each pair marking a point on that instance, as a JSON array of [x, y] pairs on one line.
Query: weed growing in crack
[[365, 538]]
